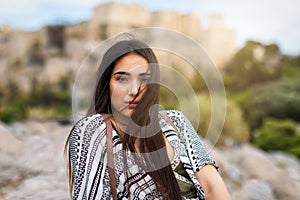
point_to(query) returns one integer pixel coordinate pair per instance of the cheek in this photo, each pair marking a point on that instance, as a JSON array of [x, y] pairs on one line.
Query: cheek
[[116, 92]]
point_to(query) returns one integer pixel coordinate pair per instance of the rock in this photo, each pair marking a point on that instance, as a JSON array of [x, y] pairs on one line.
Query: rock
[[242, 163], [287, 183], [9, 144], [255, 163], [35, 167], [254, 190], [46, 187]]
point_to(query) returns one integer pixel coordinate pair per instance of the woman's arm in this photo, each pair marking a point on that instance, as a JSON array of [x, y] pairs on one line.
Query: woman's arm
[[212, 183], [203, 165]]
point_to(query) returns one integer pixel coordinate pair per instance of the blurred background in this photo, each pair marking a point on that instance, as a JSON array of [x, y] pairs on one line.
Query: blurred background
[[254, 45]]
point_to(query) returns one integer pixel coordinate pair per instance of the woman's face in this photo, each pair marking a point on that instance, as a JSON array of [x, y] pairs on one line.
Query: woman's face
[[127, 83]]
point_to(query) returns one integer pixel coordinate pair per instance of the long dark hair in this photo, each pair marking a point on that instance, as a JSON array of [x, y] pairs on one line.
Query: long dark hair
[[143, 134]]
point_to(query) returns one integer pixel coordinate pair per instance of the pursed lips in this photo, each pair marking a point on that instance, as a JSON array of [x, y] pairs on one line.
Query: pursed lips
[[132, 104]]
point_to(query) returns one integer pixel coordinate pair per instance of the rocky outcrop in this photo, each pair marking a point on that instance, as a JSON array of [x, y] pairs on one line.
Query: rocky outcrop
[[32, 166], [32, 163], [251, 173]]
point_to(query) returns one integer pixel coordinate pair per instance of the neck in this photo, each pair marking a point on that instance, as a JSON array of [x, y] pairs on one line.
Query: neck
[[120, 123]]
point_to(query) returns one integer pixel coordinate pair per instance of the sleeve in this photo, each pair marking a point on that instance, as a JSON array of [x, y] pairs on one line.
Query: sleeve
[[87, 155], [195, 149]]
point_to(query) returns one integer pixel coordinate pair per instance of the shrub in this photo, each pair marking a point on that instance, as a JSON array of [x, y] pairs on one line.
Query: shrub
[[59, 112], [42, 103], [276, 134], [278, 99], [15, 111]]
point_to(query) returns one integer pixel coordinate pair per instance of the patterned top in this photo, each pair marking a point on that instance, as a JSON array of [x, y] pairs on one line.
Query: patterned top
[[89, 159]]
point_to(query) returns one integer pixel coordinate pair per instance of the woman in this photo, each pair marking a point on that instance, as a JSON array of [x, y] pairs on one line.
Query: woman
[[154, 155]]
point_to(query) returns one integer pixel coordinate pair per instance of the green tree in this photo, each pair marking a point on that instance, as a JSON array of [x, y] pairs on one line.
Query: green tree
[[279, 99], [254, 64], [290, 67]]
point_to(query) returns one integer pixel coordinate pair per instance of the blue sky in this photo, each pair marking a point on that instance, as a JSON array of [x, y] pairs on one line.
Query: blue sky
[[267, 21]]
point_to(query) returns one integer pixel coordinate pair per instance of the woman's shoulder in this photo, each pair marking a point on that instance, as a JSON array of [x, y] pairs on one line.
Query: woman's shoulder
[[174, 115], [171, 113]]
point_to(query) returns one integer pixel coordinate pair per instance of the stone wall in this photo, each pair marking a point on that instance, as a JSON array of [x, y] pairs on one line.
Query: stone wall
[[218, 40], [111, 18]]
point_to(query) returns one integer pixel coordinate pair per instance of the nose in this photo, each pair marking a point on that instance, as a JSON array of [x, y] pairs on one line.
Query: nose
[[134, 88]]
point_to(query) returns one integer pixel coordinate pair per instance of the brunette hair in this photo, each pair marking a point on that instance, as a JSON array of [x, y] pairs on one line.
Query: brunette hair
[[143, 134]]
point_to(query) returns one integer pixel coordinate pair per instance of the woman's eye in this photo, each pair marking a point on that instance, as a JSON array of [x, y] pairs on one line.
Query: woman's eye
[[145, 79], [121, 79]]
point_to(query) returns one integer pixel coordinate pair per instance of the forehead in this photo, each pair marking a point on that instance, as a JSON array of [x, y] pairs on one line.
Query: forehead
[[131, 62]]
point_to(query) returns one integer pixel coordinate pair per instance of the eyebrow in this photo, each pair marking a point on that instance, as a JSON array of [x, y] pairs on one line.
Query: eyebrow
[[128, 74]]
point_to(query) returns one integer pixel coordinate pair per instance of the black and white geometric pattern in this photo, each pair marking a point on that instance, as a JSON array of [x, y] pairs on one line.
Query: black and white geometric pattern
[[89, 159]]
